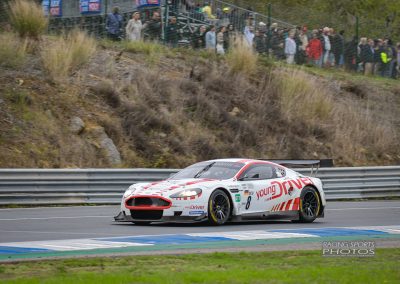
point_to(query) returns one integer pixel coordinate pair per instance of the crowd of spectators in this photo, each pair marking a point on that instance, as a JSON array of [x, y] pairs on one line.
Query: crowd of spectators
[[324, 47]]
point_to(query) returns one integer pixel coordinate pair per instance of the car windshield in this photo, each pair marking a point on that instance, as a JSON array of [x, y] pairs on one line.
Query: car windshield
[[211, 170]]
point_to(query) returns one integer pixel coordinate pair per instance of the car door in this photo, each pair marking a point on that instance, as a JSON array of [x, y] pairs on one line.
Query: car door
[[259, 188]]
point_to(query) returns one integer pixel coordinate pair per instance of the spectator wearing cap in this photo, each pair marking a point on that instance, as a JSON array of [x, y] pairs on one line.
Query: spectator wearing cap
[[290, 48], [224, 21], [259, 42]]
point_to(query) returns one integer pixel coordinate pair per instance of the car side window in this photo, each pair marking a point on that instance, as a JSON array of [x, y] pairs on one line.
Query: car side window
[[259, 172], [280, 172]]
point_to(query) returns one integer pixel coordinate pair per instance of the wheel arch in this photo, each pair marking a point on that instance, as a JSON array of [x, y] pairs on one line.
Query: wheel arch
[[321, 208], [229, 196]]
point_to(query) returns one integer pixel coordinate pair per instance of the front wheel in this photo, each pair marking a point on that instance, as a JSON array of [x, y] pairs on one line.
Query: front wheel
[[309, 205], [219, 208]]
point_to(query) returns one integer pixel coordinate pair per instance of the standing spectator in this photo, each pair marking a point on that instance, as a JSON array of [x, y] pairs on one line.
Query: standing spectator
[[114, 25], [363, 44], [225, 17], [171, 33], [392, 57], [367, 56], [350, 55], [278, 45], [398, 60], [303, 43], [227, 39], [326, 45], [220, 41], [337, 48], [314, 49], [290, 48], [249, 35], [259, 42], [134, 28], [385, 54], [207, 12], [153, 27], [199, 40], [211, 39], [377, 56]]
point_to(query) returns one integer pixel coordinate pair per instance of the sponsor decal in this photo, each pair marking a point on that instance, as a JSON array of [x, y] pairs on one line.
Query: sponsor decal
[[196, 212], [277, 189], [248, 203], [247, 193], [237, 197], [195, 207]]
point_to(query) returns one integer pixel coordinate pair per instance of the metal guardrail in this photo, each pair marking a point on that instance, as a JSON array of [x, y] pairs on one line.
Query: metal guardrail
[[105, 186]]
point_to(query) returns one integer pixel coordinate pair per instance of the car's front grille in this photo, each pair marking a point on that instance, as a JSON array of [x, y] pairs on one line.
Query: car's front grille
[[146, 202], [147, 214]]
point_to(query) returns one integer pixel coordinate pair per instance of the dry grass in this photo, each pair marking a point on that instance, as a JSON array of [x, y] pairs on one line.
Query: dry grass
[[241, 58], [81, 47], [65, 54], [303, 97], [13, 50], [27, 18]]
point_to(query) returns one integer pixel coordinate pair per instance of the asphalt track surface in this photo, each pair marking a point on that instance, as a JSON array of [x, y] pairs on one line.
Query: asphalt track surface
[[62, 223]]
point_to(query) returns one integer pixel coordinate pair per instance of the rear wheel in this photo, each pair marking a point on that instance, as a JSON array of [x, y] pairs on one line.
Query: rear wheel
[[219, 208], [309, 205]]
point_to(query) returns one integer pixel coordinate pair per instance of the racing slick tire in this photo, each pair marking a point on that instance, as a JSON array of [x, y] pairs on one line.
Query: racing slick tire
[[142, 223], [219, 208], [309, 206]]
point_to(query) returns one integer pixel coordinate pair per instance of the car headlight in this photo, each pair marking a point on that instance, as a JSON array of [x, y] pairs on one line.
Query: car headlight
[[187, 193], [129, 191]]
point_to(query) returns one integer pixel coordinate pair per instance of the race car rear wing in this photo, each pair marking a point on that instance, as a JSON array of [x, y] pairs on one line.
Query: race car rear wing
[[314, 165]]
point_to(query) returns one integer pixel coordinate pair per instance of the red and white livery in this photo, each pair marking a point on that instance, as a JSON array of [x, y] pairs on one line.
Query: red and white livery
[[223, 190]]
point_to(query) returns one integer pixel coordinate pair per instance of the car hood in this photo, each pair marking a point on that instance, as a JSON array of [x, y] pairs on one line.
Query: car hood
[[170, 186]]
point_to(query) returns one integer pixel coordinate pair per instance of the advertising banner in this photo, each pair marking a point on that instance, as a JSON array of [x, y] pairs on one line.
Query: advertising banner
[[147, 3], [90, 6]]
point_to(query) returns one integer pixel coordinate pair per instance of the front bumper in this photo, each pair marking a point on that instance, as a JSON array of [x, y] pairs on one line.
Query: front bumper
[[123, 217]]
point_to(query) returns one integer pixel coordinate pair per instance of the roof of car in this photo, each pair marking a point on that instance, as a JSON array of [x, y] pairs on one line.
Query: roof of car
[[241, 160]]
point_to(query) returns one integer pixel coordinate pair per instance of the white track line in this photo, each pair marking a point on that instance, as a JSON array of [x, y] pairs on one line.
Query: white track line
[[362, 208], [51, 218]]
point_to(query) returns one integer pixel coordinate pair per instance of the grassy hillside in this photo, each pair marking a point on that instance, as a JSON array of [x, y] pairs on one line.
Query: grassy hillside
[[169, 108], [70, 101]]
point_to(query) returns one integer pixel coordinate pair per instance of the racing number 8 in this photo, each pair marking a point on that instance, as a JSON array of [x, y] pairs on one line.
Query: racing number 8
[[248, 202]]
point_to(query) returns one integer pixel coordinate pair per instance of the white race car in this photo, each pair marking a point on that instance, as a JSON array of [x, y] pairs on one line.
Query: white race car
[[223, 190]]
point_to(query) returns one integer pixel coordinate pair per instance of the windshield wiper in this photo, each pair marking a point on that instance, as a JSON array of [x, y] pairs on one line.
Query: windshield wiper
[[206, 168]]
